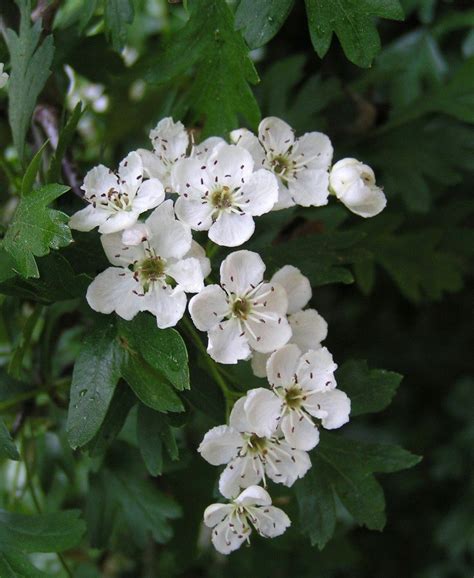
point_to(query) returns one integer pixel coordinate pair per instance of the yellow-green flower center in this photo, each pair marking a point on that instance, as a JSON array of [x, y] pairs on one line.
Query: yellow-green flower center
[[222, 198], [241, 308], [293, 397]]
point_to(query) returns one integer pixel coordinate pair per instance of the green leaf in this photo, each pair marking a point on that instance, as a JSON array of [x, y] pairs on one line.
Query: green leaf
[[260, 21], [149, 386], [7, 446], [220, 93], [15, 564], [43, 533], [31, 171], [35, 229], [369, 390], [95, 376], [118, 14], [163, 349], [30, 63], [345, 468], [353, 22], [65, 138]]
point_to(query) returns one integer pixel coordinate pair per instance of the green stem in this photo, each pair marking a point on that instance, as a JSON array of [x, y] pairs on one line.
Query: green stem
[[32, 393], [16, 362], [214, 370]]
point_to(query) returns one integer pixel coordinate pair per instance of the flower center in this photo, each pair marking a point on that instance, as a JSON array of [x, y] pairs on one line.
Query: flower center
[[257, 445], [241, 308], [293, 397], [118, 200], [150, 270], [280, 165], [222, 198]]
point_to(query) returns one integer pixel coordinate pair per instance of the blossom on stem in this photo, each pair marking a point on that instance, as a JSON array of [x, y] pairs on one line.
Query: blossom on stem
[[243, 313], [155, 265], [116, 200], [251, 457], [308, 328], [232, 523], [222, 194], [303, 388], [300, 164], [353, 183]]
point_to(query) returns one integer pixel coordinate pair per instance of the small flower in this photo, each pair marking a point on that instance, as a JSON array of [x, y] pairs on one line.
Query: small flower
[[3, 76], [301, 164], [251, 458], [151, 273], [353, 183], [232, 523], [222, 194], [244, 313], [170, 142], [308, 328], [303, 387], [116, 200]]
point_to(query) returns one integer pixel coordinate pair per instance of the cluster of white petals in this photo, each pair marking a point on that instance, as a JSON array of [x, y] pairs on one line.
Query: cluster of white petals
[[146, 213]]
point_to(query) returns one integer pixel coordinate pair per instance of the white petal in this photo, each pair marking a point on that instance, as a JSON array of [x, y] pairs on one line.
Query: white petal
[[188, 274], [259, 363], [209, 307], [195, 213], [270, 298], [231, 229], [254, 496], [331, 407], [239, 473], [316, 149], [259, 193], [153, 166], [215, 513], [88, 218], [115, 289], [296, 285], [246, 139], [131, 174], [310, 188], [98, 181], [276, 135], [118, 253], [119, 221], [170, 237], [363, 200], [285, 200], [241, 270], [316, 370], [189, 176], [198, 252], [227, 540], [167, 305], [226, 344], [238, 417], [206, 147], [308, 328], [299, 432], [289, 470], [281, 366], [263, 409], [170, 139], [135, 235], [220, 445], [271, 521], [230, 165], [149, 195], [269, 336]]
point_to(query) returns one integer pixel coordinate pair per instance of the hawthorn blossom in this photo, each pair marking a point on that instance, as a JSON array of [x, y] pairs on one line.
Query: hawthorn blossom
[[3, 76], [251, 458], [116, 200], [308, 328], [303, 388], [301, 164], [243, 313], [353, 183], [222, 194], [232, 523], [153, 274]]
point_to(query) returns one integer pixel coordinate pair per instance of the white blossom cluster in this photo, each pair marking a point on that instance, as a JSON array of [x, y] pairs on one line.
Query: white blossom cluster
[[221, 187]]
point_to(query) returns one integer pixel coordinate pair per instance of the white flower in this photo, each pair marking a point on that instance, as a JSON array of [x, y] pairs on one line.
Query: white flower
[[232, 523], [170, 142], [301, 164], [151, 275], [309, 329], [303, 387], [353, 183], [242, 314], [3, 76], [251, 458], [222, 194], [116, 200]]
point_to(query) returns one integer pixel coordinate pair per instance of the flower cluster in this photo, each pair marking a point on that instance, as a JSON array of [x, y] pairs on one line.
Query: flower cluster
[[146, 212]]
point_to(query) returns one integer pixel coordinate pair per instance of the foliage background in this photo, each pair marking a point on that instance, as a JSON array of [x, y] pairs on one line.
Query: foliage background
[[395, 290]]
